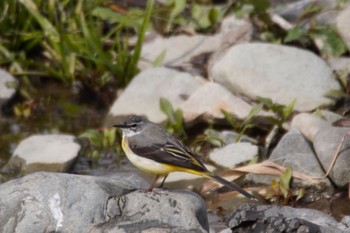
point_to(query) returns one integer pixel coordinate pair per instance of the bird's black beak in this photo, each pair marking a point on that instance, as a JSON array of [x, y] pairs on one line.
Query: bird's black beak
[[121, 126]]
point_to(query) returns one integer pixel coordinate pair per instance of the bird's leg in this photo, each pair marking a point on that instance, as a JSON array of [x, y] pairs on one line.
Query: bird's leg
[[161, 185], [153, 183]]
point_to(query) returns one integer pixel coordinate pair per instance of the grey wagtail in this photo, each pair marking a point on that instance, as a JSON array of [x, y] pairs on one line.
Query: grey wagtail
[[150, 148]]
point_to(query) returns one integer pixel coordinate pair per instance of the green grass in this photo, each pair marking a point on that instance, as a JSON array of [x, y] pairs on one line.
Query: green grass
[[70, 41]]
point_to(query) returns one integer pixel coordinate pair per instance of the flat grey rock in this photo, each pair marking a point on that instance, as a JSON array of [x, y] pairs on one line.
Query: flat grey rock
[[161, 210], [326, 142], [55, 202], [233, 154], [296, 152], [143, 93], [283, 73], [268, 218], [45, 153]]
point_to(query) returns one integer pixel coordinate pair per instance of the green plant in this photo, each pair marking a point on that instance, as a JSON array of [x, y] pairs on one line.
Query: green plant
[[282, 113], [175, 121], [241, 127], [70, 41], [100, 141], [209, 136], [282, 188]]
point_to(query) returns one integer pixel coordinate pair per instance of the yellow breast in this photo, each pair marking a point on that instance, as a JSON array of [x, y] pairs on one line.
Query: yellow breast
[[142, 163]]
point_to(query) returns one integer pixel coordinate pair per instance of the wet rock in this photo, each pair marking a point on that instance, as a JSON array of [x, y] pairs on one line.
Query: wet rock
[[7, 86], [208, 101], [252, 218], [343, 25], [55, 202], [245, 65], [233, 154], [143, 93], [54, 153], [326, 143], [296, 152], [157, 211]]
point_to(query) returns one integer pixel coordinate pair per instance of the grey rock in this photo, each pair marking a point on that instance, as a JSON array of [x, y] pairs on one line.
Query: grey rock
[[252, 218], [233, 154], [234, 30], [54, 202], [343, 25], [178, 49], [7, 86], [208, 101], [294, 10], [309, 124], [245, 65], [295, 151], [157, 211], [229, 137], [45, 153], [143, 93], [339, 64], [326, 142]]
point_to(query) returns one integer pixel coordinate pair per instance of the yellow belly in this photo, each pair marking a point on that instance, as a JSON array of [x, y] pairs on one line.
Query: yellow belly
[[144, 164]]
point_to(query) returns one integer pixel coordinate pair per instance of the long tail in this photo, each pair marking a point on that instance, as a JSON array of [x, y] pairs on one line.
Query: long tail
[[231, 186]]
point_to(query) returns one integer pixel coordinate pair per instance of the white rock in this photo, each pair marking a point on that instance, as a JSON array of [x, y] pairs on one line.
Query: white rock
[[339, 64], [210, 99], [178, 49], [343, 25], [233, 154], [308, 124], [7, 89], [143, 93], [280, 73], [45, 153]]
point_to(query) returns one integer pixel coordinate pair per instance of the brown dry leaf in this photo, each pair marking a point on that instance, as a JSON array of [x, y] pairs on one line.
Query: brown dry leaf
[[263, 168]]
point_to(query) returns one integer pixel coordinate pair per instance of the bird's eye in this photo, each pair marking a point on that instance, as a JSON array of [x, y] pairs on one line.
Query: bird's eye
[[133, 125]]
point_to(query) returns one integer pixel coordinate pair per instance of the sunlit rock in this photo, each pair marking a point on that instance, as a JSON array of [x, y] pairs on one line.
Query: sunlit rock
[[54, 153], [281, 73], [210, 99], [142, 95], [233, 154]]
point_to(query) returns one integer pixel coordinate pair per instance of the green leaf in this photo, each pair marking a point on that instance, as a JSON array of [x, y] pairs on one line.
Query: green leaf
[[166, 108], [107, 14], [160, 58], [336, 94], [252, 113], [48, 28], [343, 78], [285, 180], [287, 111], [332, 44], [293, 34], [213, 15], [230, 119]]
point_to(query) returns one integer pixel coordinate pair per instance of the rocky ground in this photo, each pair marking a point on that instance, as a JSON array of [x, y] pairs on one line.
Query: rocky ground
[[49, 198]]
